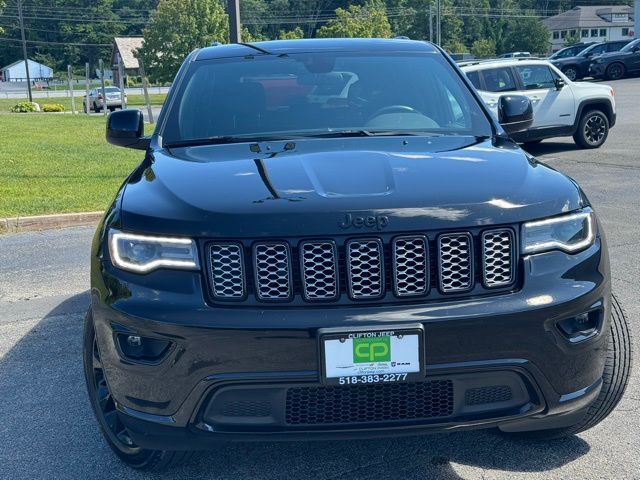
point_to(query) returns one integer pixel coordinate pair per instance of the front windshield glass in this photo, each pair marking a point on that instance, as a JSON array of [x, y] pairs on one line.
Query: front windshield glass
[[629, 46], [306, 94], [566, 52]]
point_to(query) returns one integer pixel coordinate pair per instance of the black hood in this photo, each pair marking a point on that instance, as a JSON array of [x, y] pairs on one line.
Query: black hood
[[309, 187]]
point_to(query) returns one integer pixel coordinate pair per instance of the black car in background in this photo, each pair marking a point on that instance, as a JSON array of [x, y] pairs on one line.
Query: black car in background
[[336, 239], [571, 51], [616, 65], [576, 68]]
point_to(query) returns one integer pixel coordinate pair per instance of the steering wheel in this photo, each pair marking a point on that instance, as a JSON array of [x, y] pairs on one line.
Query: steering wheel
[[393, 109]]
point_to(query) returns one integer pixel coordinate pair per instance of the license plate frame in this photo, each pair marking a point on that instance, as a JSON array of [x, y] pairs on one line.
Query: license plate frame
[[393, 374]]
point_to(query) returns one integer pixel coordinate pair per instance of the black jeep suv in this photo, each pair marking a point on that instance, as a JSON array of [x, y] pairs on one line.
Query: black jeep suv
[[336, 239], [576, 68], [616, 65]]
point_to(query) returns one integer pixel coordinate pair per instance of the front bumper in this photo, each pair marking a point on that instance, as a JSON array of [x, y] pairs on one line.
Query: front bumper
[[597, 70], [224, 355]]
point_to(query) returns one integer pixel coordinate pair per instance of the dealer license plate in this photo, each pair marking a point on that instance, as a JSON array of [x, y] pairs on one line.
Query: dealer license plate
[[363, 356]]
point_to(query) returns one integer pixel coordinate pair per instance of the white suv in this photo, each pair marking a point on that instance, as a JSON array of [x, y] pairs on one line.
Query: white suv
[[561, 107]]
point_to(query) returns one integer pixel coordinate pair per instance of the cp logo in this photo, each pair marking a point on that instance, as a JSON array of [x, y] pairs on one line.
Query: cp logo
[[371, 349]]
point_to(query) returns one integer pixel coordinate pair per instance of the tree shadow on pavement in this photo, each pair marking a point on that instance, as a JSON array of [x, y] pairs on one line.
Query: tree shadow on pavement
[[47, 429]]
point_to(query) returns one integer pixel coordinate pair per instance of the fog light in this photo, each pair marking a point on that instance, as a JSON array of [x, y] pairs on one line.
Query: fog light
[[134, 347], [581, 327]]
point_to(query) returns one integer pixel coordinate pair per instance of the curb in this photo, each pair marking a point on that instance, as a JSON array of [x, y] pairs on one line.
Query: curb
[[47, 222]]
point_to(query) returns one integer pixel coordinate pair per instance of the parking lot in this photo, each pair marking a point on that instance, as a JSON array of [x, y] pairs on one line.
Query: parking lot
[[47, 429]]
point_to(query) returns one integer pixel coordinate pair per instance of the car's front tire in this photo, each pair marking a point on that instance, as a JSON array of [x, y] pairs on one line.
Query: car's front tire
[[617, 371], [571, 73], [593, 129], [615, 71], [113, 431]]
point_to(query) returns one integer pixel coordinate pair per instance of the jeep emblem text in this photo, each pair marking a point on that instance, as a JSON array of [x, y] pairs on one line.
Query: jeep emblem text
[[377, 221]]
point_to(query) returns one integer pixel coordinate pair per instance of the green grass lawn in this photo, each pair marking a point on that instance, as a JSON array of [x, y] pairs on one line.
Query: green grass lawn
[[133, 101], [53, 163]]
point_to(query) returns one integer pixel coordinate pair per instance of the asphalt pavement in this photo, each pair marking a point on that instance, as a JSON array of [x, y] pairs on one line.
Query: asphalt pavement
[[47, 429]]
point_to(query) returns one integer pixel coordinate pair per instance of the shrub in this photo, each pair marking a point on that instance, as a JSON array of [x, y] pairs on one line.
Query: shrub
[[24, 107], [52, 107]]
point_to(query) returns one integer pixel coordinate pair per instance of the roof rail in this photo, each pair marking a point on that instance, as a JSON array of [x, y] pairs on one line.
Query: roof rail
[[466, 63]]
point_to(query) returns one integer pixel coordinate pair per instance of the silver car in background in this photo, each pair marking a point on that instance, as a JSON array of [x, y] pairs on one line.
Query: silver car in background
[[96, 103]]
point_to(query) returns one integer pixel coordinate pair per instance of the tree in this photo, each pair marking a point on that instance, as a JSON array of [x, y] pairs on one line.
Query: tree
[[451, 27], [294, 34], [1, 7], [484, 48], [367, 21], [526, 35], [572, 38], [177, 27]]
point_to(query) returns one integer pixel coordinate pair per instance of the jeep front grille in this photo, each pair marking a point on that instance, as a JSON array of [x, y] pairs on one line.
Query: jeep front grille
[[365, 269], [385, 268]]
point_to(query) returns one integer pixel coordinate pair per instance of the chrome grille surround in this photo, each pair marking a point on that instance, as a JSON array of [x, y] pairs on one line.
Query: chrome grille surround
[[272, 265], [498, 265], [455, 262], [365, 267], [227, 271], [410, 266], [319, 270]]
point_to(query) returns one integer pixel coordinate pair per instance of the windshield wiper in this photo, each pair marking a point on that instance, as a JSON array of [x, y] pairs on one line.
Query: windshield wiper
[[371, 133], [222, 139]]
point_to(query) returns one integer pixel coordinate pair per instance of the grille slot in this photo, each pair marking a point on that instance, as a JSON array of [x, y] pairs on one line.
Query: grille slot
[[369, 403], [455, 261], [272, 271], [484, 395], [227, 271], [365, 269], [411, 266], [498, 255], [319, 270], [246, 408]]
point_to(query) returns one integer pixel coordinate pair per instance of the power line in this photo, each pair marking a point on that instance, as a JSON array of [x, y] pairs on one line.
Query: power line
[[71, 44]]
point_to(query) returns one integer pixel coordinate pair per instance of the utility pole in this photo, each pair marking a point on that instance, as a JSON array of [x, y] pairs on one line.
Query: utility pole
[[438, 23], [431, 22], [104, 93], [234, 21], [24, 49], [87, 74], [145, 89]]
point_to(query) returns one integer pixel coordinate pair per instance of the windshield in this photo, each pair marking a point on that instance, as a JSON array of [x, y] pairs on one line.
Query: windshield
[[567, 52], [306, 94], [630, 46]]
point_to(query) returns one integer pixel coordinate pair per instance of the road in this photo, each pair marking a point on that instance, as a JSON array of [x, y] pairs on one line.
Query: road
[[47, 431]]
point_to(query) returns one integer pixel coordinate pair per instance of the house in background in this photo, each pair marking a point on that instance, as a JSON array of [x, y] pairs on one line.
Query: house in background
[[591, 24], [16, 72], [124, 48]]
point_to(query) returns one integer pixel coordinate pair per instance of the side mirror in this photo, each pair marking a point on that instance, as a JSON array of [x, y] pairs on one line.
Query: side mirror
[[515, 113], [126, 129], [560, 83]]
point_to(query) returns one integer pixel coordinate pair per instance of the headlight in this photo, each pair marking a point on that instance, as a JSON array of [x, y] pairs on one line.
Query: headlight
[[142, 253], [568, 233]]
